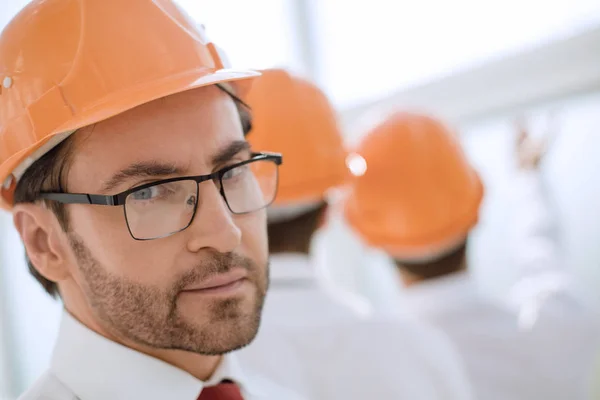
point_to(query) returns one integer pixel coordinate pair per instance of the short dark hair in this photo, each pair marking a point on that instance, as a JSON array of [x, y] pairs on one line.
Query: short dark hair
[[446, 265], [48, 174], [295, 234]]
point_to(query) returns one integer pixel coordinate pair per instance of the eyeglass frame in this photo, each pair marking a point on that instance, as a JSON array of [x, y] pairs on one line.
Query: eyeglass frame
[[120, 199]]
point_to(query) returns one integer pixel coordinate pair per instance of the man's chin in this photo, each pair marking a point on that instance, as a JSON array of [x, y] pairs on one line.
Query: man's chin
[[226, 326], [219, 326], [225, 336]]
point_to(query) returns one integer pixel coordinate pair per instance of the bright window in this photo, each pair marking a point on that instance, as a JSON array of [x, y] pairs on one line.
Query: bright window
[[369, 49], [254, 34], [10, 8]]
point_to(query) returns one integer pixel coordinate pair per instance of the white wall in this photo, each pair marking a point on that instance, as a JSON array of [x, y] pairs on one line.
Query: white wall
[[371, 49], [32, 314], [5, 376]]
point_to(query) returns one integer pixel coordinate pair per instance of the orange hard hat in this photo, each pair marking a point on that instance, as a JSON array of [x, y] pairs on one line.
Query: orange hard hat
[[293, 117], [66, 64], [418, 197]]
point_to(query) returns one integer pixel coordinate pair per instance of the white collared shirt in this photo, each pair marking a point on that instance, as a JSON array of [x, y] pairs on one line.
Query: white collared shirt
[[505, 360], [297, 297], [309, 341], [536, 345], [87, 366]]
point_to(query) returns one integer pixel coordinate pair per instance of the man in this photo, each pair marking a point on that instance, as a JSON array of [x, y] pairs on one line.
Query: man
[[137, 199], [418, 200], [312, 339], [293, 116]]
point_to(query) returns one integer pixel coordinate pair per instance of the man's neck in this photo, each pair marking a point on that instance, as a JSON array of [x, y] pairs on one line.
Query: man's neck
[[409, 279], [298, 248], [200, 366]]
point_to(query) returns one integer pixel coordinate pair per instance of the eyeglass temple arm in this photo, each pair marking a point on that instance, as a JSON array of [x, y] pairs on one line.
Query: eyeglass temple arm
[[75, 198]]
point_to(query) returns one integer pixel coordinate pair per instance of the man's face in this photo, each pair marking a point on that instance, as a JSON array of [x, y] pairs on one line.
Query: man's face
[[154, 292]]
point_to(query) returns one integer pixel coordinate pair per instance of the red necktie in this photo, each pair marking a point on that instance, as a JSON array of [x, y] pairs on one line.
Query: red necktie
[[225, 390]]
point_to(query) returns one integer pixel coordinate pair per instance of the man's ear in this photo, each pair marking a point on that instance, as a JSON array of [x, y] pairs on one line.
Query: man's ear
[[41, 235]]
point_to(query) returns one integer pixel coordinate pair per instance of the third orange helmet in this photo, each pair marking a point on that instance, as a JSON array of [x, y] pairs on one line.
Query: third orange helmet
[[419, 196]]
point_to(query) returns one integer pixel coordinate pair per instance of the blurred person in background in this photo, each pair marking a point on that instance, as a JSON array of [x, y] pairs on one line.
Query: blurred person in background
[[418, 200], [294, 116], [312, 339], [139, 202]]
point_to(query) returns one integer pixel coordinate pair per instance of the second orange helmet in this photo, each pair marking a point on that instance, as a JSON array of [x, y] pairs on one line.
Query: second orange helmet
[[294, 117]]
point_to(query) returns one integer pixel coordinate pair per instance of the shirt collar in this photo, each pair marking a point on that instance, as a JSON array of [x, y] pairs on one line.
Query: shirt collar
[[440, 292], [96, 368], [231, 369]]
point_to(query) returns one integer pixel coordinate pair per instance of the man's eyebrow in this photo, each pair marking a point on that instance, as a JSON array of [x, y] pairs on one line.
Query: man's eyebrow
[[155, 169], [230, 151], [145, 169]]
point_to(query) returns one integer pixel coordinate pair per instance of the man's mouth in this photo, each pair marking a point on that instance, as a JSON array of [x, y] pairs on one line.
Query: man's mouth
[[227, 283]]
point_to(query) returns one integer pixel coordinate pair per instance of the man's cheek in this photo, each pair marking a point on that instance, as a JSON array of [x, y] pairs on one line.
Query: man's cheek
[[254, 236], [147, 268]]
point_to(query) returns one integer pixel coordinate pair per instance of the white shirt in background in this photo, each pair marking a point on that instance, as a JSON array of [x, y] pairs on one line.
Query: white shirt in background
[[311, 343], [537, 345], [297, 297], [87, 366]]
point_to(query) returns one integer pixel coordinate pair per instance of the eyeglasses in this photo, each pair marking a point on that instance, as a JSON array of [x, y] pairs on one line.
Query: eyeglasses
[[162, 208]]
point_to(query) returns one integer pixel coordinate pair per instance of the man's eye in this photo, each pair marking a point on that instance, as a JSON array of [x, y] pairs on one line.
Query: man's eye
[[191, 201], [234, 172], [145, 194]]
